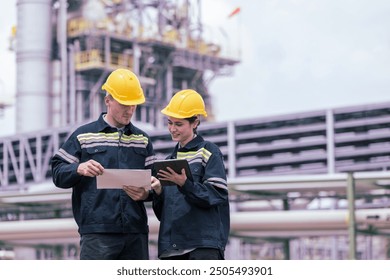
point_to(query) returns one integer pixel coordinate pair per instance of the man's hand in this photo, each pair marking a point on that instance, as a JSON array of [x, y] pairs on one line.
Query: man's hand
[[156, 185], [136, 193], [90, 168]]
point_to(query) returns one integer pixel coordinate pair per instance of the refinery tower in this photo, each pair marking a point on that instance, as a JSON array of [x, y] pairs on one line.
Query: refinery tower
[[65, 50]]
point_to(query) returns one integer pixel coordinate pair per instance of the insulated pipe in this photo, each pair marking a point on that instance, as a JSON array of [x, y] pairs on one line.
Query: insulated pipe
[[47, 231], [364, 181], [38, 229], [307, 220], [249, 223], [33, 55]]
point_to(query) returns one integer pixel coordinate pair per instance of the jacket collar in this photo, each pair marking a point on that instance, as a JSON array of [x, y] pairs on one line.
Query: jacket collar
[[190, 145], [104, 126]]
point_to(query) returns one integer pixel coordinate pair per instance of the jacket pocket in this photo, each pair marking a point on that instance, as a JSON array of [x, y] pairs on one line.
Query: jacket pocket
[[96, 153], [140, 151], [135, 158], [197, 173]]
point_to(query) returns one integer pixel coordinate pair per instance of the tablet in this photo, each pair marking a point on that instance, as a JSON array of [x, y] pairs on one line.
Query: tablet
[[176, 164]]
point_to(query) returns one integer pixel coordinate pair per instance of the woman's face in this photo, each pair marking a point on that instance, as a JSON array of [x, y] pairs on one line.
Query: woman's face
[[181, 130]]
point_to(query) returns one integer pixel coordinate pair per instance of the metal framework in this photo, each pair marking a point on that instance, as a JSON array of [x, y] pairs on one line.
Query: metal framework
[[161, 41], [351, 139], [279, 171]]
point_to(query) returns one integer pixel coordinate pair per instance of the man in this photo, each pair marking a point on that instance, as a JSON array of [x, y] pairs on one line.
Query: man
[[112, 223]]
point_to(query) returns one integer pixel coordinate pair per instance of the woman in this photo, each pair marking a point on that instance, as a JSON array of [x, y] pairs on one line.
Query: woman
[[194, 215]]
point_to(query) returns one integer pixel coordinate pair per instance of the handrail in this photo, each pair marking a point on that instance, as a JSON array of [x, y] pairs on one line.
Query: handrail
[[25, 158]]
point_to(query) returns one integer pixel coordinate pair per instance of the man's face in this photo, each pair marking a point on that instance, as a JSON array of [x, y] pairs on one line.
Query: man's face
[[117, 114]]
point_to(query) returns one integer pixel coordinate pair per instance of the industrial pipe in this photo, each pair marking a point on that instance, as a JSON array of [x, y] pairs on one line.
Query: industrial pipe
[[281, 222]]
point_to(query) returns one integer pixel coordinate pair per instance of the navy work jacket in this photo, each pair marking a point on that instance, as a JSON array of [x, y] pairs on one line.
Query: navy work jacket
[[195, 215], [103, 210]]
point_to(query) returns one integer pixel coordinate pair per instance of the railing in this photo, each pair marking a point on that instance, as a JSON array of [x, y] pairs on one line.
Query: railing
[[283, 145], [95, 59], [25, 158]]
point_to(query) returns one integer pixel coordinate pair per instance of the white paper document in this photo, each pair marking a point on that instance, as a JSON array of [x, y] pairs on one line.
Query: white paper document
[[116, 178]]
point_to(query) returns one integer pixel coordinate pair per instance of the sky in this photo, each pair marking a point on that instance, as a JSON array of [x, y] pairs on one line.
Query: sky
[[304, 55], [295, 55]]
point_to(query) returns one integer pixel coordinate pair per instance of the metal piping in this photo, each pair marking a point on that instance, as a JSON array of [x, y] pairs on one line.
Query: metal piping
[[351, 216], [280, 222], [62, 26]]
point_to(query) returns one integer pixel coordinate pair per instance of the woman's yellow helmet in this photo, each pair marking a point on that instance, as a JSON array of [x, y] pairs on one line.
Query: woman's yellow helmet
[[185, 104]]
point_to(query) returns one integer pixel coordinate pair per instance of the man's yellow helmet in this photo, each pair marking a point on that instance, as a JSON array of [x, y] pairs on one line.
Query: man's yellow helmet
[[124, 86]]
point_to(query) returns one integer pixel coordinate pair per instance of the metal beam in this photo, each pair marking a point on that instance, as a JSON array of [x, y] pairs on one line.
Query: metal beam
[[351, 216]]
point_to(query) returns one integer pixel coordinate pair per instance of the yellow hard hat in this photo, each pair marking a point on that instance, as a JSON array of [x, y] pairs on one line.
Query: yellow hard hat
[[124, 87], [185, 104]]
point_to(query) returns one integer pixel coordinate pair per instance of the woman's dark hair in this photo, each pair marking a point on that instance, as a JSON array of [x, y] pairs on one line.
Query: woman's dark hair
[[192, 120]]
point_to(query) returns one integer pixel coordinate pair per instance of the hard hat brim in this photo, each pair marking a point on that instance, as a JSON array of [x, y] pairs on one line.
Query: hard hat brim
[[168, 113], [133, 102]]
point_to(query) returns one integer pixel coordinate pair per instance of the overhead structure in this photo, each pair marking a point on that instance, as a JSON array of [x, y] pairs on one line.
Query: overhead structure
[[65, 54]]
